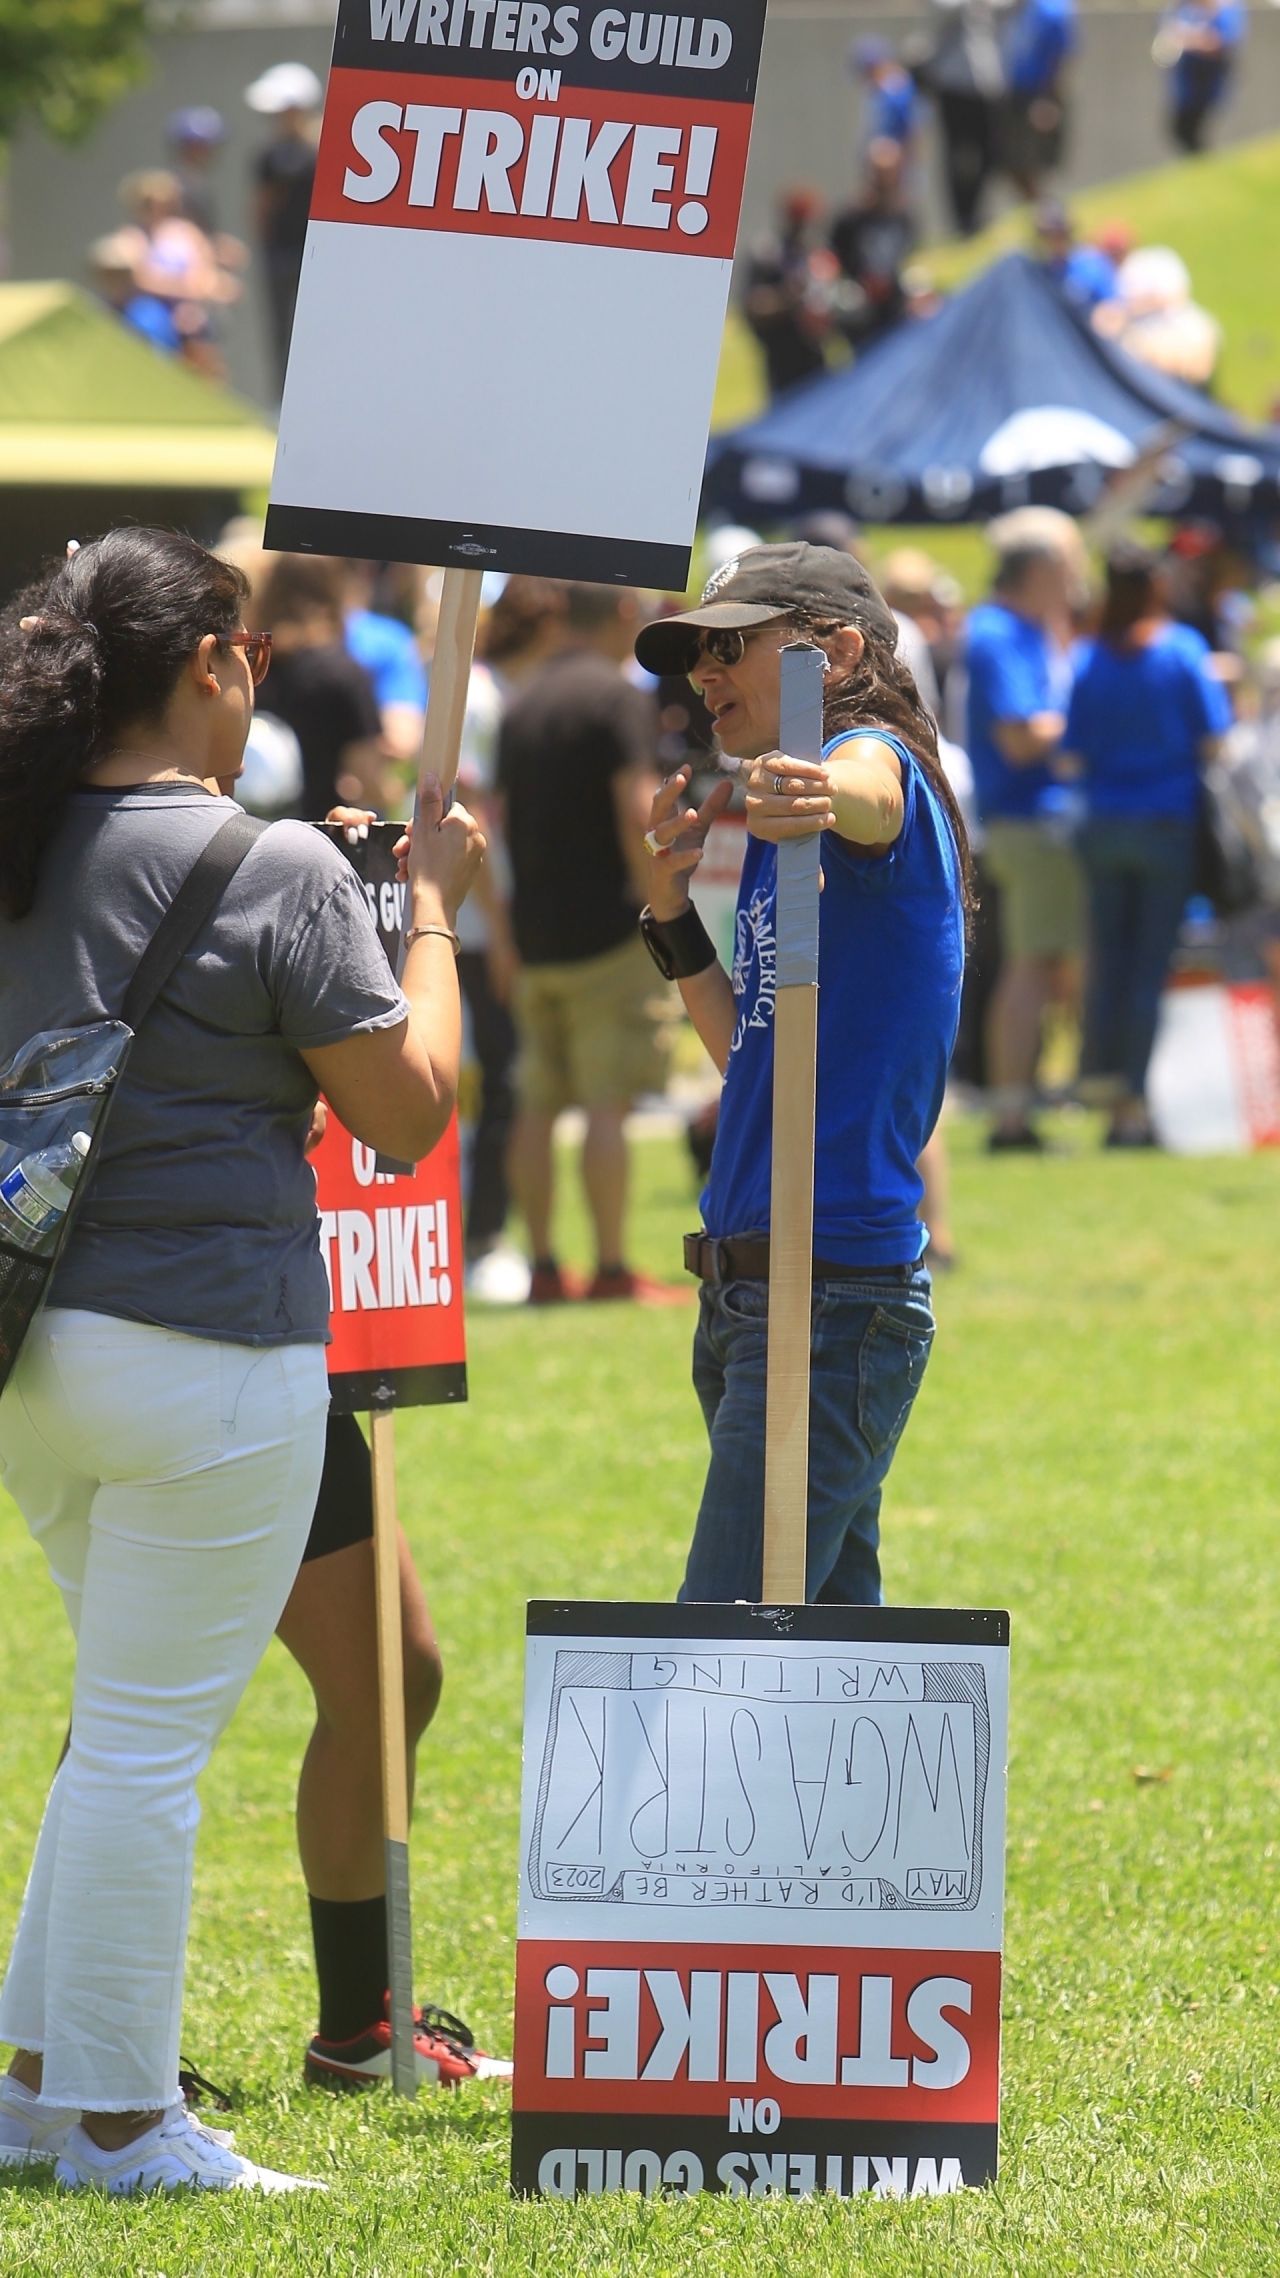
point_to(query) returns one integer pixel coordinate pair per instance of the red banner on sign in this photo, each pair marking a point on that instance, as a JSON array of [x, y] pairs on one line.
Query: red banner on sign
[[839, 2033], [666, 177], [392, 1245]]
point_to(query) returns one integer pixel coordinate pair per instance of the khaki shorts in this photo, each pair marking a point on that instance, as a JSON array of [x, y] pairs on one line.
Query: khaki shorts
[[597, 1033], [1041, 890]]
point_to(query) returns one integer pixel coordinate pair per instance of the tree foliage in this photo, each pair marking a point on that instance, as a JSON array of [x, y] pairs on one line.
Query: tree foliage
[[64, 61]]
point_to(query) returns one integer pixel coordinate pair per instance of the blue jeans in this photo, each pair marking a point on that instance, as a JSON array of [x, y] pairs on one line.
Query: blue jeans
[[1138, 872], [870, 1342]]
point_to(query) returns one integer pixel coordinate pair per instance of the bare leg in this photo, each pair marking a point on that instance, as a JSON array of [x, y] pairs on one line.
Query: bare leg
[[605, 1166], [531, 1173], [111, 2131], [1014, 1023], [329, 1626]]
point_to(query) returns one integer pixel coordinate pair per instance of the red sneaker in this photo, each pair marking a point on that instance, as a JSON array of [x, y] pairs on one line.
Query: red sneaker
[[551, 1285], [619, 1282], [444, 2049]]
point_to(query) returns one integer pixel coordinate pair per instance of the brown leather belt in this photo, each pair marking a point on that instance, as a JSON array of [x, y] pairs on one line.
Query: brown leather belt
[[745, 1257]]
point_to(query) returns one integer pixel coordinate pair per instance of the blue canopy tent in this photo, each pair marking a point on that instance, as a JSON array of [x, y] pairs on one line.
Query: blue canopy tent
[[1006, 397]]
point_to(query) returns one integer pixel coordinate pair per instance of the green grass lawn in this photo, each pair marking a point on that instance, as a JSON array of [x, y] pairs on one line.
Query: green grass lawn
[[1097, 1447], [1218, 213]]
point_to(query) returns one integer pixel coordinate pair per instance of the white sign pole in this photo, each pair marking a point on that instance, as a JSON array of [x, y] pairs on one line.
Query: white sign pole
[[795, 1045]]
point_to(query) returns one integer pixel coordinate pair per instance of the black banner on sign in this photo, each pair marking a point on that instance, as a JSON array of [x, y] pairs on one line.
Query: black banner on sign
[[794, 2160], [640, 51]]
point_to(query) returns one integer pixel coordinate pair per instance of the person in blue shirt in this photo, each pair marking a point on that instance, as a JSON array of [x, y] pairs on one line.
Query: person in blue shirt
[[891, 104], [389, 652], [1086, 273], [1197, 45], [1145, 716], [112, 273], [891, 956], [1018, 682], [1039, 42]]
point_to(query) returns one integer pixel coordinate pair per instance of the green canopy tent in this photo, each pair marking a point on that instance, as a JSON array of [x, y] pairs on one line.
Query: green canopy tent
[[97, 427]]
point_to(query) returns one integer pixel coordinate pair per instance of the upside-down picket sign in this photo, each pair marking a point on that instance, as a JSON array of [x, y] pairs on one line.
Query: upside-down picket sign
[[392, 1244], [523, 224], [762, 1863]]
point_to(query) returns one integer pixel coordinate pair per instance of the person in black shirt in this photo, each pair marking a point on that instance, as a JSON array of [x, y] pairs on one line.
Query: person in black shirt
[[871, 240], [576, 776], [784, 301], [290, 94], [320, 691]]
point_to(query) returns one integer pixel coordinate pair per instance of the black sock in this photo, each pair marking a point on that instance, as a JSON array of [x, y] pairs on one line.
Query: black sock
[[350, 1940]]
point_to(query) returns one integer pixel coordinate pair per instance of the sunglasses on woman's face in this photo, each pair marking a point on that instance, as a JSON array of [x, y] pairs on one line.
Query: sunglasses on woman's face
[[723, 644], [257, 652]]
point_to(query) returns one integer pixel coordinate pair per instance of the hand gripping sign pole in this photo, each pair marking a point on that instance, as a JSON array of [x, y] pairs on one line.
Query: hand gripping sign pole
[[441, 743], [795, 1042]]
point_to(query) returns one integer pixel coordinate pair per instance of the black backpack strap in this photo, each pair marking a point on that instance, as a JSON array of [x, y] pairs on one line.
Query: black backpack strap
[[192, 906]]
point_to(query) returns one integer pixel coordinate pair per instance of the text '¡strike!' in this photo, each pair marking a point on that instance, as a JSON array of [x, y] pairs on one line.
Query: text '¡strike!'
[[624, 174], [386, 1259]]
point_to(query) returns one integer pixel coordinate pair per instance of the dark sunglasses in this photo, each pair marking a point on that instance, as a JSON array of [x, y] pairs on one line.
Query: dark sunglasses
[[724, 644], [257, 652]]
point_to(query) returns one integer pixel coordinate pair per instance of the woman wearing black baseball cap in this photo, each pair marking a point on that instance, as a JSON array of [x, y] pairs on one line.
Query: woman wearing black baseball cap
[[897, 891]]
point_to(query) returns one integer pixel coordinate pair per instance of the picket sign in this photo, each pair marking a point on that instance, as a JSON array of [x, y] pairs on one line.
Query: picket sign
[[503, 357], [391, 1239], [761, 1896], [514, 284]]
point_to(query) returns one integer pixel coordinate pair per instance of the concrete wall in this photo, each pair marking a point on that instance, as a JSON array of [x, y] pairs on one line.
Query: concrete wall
[[806, 122]]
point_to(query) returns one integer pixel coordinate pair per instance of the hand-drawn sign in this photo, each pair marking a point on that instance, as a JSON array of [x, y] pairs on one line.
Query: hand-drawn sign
[[392, 1244], [514, 284], [773, 1780], [761, 1900]]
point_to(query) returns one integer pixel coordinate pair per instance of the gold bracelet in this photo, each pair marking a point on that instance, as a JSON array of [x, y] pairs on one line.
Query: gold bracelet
[[445, 932]]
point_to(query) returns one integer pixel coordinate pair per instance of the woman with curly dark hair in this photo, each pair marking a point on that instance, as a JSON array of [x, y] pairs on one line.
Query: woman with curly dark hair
[[897, 889], [163, 1429]]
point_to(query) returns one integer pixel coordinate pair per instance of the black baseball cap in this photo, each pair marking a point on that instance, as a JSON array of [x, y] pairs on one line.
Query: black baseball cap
[[762, 585]]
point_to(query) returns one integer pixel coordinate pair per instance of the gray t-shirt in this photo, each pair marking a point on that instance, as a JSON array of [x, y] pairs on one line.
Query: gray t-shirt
[[201, 1216]]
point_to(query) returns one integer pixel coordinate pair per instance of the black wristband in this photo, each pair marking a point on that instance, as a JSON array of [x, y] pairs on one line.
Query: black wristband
[[680, 947]]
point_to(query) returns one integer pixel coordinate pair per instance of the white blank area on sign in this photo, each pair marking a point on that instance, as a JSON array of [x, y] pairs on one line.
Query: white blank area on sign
[[506, 381]]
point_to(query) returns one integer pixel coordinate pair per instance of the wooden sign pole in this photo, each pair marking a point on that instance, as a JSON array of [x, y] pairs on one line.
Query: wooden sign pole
[[795, 1044], [441, 746]]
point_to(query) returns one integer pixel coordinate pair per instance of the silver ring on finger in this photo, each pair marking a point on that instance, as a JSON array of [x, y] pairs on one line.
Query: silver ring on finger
[[780, 785], [652, 842]]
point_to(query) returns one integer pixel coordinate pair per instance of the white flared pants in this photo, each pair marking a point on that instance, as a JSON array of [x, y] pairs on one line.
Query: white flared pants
[[170, 1482]]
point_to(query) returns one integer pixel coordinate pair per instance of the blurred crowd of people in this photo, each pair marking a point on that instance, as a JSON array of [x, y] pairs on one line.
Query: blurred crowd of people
[[171, 271], [1112, 739], [841, 280], [564, 1007], [993, 77], [1085, 718]]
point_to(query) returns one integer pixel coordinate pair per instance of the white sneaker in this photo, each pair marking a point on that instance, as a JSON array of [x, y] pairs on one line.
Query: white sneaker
[[31, 2131], [499, 1277], [180, 2154]]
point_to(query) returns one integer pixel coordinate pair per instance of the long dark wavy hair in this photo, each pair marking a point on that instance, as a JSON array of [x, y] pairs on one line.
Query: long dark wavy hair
[[880, 692], [113, 626]]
